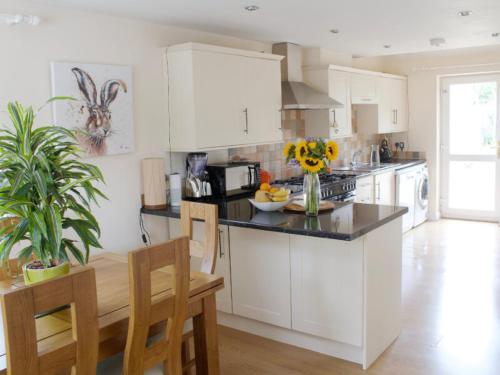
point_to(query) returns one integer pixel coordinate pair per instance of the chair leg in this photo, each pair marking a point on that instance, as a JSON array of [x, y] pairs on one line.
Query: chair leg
[[186, 357]]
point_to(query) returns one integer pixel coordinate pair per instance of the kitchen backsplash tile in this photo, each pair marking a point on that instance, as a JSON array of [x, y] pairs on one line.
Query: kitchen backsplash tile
[[271, 156]]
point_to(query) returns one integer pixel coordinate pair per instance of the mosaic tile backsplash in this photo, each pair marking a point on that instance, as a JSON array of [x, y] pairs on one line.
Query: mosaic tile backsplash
[[271, 156]]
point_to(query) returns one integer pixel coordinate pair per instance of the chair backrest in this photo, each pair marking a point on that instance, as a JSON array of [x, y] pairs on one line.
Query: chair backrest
[[19, 308], [144, 312], [206, 250]]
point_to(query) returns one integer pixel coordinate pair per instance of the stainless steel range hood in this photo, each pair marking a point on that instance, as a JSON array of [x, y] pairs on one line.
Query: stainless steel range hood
[[295, 93]]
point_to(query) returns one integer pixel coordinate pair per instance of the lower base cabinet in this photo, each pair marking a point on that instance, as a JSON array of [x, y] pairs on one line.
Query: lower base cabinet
[[222, 266], [327, 288], [260, 268]]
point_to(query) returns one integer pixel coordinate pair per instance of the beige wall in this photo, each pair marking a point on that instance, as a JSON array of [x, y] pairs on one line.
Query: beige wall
[[72, 36], [424, 71]]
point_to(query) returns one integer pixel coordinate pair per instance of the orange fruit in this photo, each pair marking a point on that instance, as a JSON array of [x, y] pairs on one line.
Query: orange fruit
[[265, 186], [274, 190]]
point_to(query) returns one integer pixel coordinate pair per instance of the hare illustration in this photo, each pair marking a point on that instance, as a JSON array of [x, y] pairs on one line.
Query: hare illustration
[[98, 124]]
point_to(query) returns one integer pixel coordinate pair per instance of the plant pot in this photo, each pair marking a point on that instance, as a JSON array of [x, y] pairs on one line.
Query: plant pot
[[32, 276]]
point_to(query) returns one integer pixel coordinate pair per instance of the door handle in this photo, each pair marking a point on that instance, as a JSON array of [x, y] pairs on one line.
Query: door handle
[[221, 248], [246, 121]]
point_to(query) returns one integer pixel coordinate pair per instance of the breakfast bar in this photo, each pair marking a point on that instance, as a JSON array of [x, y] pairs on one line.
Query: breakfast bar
[[331, 283]]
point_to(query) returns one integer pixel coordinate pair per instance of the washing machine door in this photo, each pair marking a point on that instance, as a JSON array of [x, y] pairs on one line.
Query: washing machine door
[[422, 196]]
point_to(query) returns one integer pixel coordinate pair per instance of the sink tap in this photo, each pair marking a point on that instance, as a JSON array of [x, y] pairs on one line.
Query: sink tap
[[355, 157]]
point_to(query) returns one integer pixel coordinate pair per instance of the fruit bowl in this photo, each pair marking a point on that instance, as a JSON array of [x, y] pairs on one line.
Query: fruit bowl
[[269, 206]]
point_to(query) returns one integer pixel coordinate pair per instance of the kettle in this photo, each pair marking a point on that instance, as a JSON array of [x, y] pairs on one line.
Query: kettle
[[385, 151]]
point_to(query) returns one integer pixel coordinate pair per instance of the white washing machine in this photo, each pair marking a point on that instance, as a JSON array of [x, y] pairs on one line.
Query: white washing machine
[[421, 195]]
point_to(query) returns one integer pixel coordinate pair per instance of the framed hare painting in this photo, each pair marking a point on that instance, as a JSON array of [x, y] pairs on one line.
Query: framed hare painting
[[102, 112]]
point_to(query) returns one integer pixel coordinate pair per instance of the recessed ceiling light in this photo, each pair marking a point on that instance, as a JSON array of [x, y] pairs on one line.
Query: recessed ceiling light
[[464, 13], [251, 8], [495, 35], [335, 31], [436, 42], [387, 45]]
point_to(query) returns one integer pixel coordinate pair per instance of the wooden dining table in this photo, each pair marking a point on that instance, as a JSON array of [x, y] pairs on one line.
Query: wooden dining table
[[111, 272]]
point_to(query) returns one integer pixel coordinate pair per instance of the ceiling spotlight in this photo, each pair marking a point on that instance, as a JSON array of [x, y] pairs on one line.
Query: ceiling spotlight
[[251, 8], [437, 42], [464, 13], [335, 31], [16, 19], [495, 35], [387, 45]]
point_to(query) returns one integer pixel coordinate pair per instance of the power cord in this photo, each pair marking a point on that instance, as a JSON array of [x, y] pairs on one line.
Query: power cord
[[146, 238]]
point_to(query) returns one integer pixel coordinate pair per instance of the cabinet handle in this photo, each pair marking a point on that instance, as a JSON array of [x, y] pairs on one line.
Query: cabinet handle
[[281, 119], [396, 116], [378, 190], [221, 251], [246, 121]]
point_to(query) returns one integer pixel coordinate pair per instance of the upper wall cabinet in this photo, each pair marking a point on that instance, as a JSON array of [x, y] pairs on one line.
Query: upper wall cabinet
[[391, 113], [222, 97], [333, 123], [364, 88]]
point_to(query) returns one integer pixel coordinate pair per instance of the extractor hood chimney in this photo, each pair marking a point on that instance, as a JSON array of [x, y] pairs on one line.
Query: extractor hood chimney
[[295, 93]]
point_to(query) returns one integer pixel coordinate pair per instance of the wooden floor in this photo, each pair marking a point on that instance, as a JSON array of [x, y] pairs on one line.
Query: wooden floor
[[451, 314]]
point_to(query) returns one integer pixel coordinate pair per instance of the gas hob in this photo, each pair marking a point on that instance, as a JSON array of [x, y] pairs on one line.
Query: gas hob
[[334, 186]]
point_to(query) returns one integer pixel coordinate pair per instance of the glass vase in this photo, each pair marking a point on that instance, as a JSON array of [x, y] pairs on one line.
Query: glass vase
[[312, 194]]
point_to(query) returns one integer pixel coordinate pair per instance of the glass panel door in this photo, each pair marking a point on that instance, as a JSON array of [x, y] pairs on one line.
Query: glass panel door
[[470, 171]]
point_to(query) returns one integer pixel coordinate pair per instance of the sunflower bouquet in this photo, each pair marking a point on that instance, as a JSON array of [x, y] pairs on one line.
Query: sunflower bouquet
[[313, 155]]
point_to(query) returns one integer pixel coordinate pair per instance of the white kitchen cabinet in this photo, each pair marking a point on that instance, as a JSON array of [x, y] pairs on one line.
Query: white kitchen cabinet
[[364, 190], [260, 268], [390, 115], [263, 101], [333, 123], [385, 188], [327, 288], [222, 266], [222, 97], [364, 88]]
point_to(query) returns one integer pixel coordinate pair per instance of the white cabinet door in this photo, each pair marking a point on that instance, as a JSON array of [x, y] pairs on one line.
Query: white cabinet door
[[340, 90], [219, 87], [364, 190], [401, 100], [222, 267], [333, 123], [385, 188], [263, 101], [260, 268], [327, 288], [364, 88], [386, 105]]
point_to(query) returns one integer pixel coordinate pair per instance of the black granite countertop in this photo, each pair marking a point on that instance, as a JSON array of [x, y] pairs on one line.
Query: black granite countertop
[[347, 221]]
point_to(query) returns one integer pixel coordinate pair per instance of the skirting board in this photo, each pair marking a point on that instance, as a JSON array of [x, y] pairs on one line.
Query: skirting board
[[301, 340]]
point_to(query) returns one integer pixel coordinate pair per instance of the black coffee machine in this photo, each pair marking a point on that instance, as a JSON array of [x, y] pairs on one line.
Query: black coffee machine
[[385, 151]]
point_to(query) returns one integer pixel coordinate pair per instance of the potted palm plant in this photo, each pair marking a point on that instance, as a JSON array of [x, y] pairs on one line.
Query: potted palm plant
[[49, 192]]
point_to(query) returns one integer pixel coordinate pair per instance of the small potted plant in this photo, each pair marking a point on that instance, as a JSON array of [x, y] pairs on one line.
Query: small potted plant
[[48, 191]]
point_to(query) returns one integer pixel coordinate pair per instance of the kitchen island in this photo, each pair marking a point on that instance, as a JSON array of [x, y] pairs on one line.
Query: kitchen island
[[331, 284]]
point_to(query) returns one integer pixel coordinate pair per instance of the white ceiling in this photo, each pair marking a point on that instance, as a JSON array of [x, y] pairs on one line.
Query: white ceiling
[[365, 25]]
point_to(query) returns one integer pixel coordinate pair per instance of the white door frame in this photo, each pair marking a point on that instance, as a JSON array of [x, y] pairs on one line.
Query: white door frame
[[444, 147]]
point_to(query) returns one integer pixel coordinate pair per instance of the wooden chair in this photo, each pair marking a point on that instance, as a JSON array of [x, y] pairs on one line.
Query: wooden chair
[[206, 250], [19, 308], [145, 313]]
